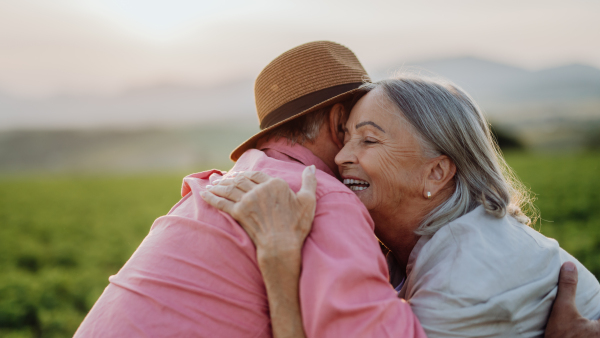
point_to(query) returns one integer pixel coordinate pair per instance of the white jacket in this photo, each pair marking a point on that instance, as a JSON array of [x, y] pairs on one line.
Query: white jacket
[[482, 276]]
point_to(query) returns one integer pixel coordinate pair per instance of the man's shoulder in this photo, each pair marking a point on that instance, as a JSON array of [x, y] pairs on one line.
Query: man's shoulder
[[291, 172]]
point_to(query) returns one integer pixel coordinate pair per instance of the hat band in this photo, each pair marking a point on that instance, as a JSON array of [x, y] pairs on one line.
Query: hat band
[[303, 103]]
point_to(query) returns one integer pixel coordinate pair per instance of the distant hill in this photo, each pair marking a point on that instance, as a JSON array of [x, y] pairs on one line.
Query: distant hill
[[496, 83], [550, 108], [158, 106], [171, 127], [499, 88]]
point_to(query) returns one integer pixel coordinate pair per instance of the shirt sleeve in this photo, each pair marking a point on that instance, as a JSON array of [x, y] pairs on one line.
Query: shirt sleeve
[[344, 287]]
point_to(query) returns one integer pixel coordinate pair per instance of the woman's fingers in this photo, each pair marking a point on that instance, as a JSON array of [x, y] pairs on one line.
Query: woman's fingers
[[213, 178], [218, 202], [244, 183], [309, 184], [307, 199], [266, 207], [241, 182], [255, 176], [230, 192]]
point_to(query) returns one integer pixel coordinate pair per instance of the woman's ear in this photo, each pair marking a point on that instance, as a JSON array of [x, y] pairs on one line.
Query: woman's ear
[[337, 119], [440, 171]]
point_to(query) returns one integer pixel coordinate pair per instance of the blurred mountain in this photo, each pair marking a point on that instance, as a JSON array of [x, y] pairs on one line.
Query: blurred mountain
[[495, 83], [171, 127], [149, 107], [499, 88], [550, 108]]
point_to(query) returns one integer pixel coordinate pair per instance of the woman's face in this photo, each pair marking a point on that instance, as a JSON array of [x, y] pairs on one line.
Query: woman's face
[[382, 161]]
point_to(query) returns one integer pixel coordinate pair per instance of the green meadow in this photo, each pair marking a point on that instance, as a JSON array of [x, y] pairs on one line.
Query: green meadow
[[62, 236]]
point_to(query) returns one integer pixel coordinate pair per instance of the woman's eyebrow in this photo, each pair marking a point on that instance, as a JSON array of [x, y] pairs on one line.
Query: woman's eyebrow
[[369, 123]]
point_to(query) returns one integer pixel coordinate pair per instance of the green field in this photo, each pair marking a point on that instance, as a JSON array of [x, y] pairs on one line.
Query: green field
[[61, 237]]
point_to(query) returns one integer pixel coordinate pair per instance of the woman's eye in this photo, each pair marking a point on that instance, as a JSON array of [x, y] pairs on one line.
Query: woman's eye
[[369, 141]]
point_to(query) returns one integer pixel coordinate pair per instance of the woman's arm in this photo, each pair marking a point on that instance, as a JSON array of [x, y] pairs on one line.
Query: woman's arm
[[278, 221], [281, 273]]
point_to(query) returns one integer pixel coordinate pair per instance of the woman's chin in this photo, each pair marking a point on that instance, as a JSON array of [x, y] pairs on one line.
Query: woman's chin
[[363, 195]]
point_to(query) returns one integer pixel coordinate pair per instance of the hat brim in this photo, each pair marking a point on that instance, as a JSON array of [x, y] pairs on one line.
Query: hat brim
[[251, 142]]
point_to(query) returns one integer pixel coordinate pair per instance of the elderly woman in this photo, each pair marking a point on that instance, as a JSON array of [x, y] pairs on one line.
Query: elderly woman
[[419, 155]]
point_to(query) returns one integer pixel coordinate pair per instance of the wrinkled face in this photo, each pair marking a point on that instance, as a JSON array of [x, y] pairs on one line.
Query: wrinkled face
[[381, 161]]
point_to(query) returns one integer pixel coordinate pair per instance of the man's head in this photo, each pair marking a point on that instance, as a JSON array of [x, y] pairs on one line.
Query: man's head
[[320, 131], [299, 96]]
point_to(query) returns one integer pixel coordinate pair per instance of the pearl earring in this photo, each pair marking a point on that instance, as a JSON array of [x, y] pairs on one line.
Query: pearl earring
[[429, 195]]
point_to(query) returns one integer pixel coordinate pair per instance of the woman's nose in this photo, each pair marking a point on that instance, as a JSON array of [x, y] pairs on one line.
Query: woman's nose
[[345, 156]]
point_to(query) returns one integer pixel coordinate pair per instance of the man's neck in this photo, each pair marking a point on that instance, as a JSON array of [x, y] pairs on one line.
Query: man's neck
[[325, 152], [282, 149]]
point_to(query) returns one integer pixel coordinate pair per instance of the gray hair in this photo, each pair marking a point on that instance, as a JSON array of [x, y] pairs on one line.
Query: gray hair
[[302, 129], [448, 122]]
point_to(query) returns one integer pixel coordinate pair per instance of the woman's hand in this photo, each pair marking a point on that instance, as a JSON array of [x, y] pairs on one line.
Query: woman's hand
[[278, 221], [273, 215]]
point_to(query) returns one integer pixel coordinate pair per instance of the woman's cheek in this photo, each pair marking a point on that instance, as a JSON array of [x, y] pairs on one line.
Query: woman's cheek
[[391, 172], [383, 184]]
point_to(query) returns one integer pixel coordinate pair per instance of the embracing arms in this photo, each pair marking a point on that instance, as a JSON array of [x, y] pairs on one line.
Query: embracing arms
[[344, 288], [278, 236], [269, 211]]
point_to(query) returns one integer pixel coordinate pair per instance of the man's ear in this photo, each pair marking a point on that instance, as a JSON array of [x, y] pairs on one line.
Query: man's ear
[[337, 120], [439, 172]]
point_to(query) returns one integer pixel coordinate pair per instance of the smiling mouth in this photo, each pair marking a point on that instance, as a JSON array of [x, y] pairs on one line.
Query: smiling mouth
[[356, 185]]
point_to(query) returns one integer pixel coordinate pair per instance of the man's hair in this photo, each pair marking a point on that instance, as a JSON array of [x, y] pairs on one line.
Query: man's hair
[[302, 129]]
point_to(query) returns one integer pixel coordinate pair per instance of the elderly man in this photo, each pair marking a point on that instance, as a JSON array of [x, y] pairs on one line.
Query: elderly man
[[196, 272]]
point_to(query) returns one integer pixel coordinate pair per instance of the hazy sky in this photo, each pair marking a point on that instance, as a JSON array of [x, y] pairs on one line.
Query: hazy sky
[[105, 46]]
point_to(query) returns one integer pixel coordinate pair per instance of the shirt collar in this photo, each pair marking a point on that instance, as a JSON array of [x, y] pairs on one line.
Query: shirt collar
[[292, 151]]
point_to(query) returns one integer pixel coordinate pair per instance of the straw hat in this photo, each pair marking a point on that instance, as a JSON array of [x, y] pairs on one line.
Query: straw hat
[[300, 81]]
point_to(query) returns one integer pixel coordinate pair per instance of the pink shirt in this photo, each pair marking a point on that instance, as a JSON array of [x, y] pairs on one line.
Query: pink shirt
[[195, 274]]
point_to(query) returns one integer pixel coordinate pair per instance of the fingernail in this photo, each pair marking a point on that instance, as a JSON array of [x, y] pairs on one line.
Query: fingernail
[[569, 266], [313, 169], [215, 182], [208, 186]]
